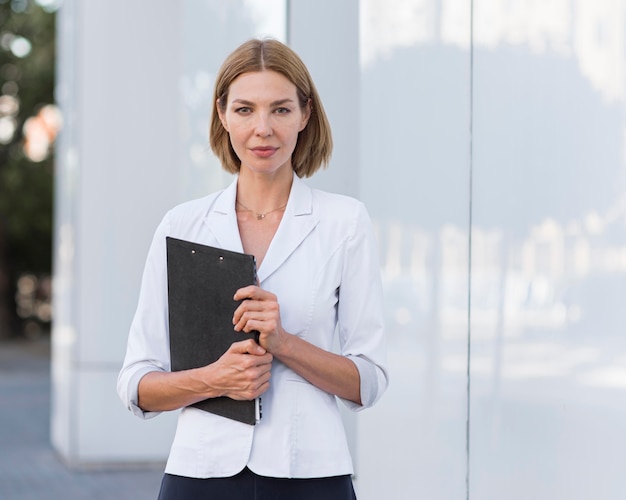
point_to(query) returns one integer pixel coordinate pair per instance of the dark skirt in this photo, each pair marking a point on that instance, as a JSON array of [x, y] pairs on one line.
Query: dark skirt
[[249, 486]]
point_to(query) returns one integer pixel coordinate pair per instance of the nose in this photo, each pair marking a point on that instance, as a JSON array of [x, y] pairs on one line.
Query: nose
[[263, 126]]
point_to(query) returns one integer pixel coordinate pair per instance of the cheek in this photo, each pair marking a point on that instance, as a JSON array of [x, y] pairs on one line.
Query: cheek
[[290, 134], [236, 137], [236, 144], [238, 147]]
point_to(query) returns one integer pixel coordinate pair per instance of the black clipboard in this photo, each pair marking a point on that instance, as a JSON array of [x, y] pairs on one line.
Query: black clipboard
[[201, 282]]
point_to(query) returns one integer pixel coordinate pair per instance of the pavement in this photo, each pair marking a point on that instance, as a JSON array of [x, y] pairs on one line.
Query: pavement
[[30, 469]]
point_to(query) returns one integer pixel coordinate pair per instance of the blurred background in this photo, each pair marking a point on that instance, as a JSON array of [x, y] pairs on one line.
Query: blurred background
[[29, 123], [487, 139]]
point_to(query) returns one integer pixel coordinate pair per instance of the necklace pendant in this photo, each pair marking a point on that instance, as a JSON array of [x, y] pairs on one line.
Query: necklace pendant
[[260, 216]]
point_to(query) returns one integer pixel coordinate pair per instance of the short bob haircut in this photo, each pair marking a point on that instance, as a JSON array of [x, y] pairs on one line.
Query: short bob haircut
[[315, 143]]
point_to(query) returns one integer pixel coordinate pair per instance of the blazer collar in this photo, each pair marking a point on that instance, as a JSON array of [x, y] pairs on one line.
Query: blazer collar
[[297, 222], [222, 220]]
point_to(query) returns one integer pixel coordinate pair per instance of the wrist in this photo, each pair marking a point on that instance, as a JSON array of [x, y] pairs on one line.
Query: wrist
[[283, 348], [200, 382]]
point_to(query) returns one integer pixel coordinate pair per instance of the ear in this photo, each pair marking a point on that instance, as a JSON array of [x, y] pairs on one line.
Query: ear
[[306, 115], [221, 115]]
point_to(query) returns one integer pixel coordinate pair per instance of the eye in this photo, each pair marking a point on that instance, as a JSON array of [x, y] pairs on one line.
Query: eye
[[243, 110], [282, 111]]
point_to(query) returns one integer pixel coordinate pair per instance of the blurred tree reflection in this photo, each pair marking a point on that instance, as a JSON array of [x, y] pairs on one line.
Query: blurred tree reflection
[[28, 125]]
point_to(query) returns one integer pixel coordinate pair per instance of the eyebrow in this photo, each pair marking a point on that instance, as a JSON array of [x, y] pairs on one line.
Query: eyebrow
[[274, 103]]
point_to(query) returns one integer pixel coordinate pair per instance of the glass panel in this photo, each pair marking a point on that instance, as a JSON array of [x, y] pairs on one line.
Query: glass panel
[[549, 251], [415, 182]]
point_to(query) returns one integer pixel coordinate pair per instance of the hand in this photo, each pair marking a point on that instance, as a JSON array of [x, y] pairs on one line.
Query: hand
[[333, 373], [260, 311], [243, 371]]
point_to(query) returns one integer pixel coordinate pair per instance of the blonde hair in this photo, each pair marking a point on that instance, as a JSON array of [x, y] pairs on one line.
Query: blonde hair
[[315, 144]]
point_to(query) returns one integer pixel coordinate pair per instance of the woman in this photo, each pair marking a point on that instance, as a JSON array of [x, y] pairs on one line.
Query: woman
[[318, 274]]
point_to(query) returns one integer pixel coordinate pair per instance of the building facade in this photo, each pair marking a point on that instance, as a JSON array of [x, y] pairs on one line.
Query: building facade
[[487, 139]]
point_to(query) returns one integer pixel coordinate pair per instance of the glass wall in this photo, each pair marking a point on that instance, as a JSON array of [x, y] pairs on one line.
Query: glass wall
[[493, 162], [548, 371], [415, 180]]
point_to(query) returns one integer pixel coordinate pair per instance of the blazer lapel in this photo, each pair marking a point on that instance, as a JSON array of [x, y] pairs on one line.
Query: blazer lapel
[[297, 222], [222, 220]]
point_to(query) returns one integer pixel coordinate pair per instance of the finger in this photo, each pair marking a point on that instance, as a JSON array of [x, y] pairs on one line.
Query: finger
[[250, 367], [250, 305], [261, 321], [252, 392], [256, 349], [247, 292], [253, 292], [256, 305], [263, 362], [247, 347], [261, 325], [261, 311]]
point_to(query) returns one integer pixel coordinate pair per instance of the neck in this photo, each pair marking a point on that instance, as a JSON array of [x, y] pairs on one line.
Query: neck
[[263, 193]]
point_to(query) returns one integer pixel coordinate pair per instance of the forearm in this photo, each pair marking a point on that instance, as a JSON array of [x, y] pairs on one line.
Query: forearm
[[330, 372], [243, 373], [164, 391]]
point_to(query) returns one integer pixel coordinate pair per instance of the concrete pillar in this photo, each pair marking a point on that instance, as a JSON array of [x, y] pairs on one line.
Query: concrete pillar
[[116, 173]]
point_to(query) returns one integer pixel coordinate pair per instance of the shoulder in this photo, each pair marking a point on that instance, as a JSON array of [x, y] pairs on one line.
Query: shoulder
[[337, 207], [340, 217], [334, 200], [190, 212], [198, 205]]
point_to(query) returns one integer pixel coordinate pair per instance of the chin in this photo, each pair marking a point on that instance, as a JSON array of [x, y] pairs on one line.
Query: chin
[[265, 168]]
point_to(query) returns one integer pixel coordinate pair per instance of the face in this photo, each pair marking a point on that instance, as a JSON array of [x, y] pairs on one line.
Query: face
[[263, 118]]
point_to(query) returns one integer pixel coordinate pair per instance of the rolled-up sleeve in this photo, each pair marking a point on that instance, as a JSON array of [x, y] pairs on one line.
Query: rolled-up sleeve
[[360, 311], [148, 340]]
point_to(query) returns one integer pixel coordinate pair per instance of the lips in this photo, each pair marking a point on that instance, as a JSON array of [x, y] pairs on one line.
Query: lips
[[264, 151]]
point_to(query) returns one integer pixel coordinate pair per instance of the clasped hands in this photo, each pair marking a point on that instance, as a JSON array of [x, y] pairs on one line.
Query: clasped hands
[[245, 367]]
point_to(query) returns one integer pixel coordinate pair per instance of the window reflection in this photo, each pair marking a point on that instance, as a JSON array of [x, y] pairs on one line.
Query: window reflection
[[592, 32], [548, 255]]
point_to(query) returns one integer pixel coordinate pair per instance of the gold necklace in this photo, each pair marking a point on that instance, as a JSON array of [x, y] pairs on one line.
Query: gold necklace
[[259, 215]]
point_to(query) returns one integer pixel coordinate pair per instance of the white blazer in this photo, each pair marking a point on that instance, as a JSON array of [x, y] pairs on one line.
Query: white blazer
[[323, 266]]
